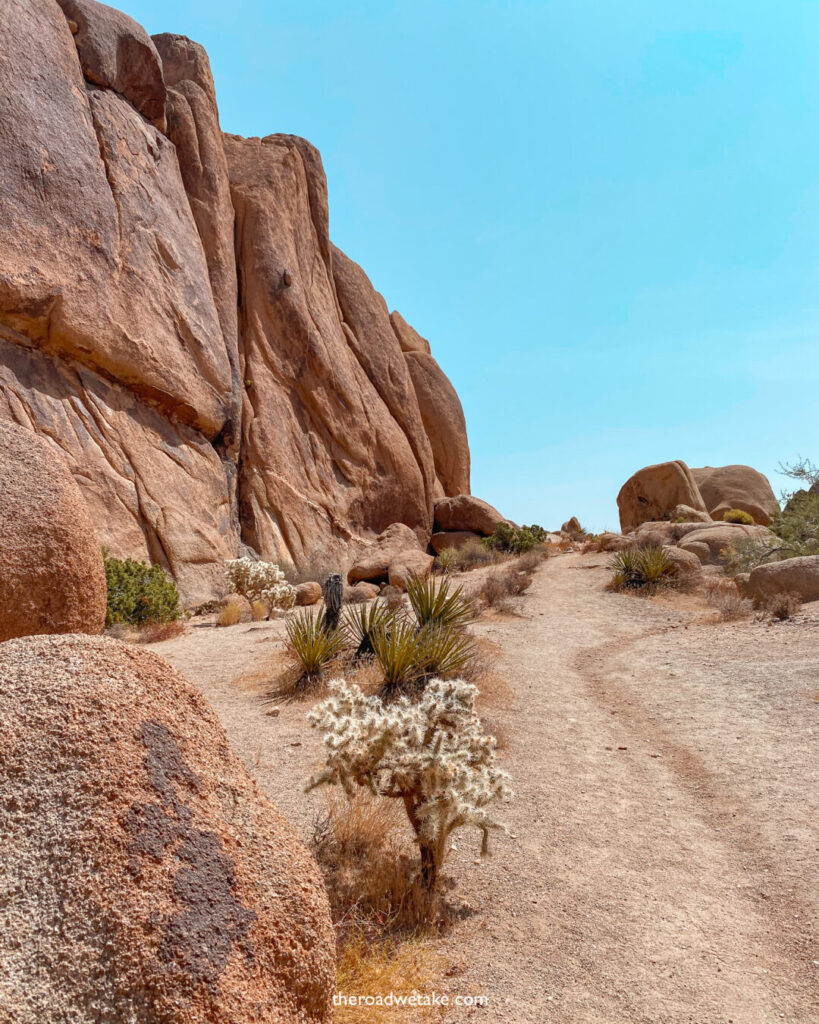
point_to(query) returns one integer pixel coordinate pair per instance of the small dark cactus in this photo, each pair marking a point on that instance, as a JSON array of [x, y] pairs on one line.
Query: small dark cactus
[[333, 592]]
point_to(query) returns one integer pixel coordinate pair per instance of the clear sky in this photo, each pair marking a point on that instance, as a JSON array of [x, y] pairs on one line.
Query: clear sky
[[602, 215]]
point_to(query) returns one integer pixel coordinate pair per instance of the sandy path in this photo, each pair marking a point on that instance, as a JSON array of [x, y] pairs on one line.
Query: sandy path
[[670, 881]]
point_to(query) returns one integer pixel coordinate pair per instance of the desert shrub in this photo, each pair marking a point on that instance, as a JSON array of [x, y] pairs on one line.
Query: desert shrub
[[156, 632], [313, 644], [434, 604], [230, 614], [393, 598], [259, 611], [736, 515], [724, 597], [398, 653], [530, 560], [431, 755], [497, 587], [138, 593], [746, 553], [363, 621], [446, 560], [783, 606], [259, 581], [797, 525], [474, 553], [645, 568], [511, 540]]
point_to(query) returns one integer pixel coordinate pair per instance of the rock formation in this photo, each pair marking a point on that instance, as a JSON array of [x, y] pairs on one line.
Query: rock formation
[[144, 876], [463, 512], [175, 318], [651, 493], [742, 487], [52, 578]]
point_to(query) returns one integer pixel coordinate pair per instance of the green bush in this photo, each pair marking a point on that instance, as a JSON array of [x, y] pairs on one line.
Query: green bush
[[511, 540], [736, 515], [639, 568], [797, 525], [138, 593]]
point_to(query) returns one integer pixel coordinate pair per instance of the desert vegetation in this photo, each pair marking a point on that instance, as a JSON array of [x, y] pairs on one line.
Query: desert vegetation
[[138, 594], [644, 569]]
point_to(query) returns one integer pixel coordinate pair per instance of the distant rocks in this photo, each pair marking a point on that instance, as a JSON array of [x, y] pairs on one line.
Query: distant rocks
[[653, 492], [52, 578], [144, 876], [394, 556], [741, 487], [797, 575], [709, 542], [464, 512]]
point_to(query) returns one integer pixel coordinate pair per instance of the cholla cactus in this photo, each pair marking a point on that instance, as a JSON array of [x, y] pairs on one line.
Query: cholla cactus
[[432, 755], [260, 581]]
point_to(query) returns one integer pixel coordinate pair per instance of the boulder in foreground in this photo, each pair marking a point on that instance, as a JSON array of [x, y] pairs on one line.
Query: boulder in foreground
[[144, 876], [52, 577], [796, 575], [655, 491], [466, 512]]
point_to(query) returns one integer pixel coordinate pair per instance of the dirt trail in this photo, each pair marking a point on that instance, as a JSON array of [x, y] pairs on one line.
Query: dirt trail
[[661, 865]]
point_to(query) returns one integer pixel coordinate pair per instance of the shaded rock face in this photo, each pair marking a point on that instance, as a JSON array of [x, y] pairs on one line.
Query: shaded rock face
[[295, 418], [742, 487], [655, 491], [144, 876], [52, 578]]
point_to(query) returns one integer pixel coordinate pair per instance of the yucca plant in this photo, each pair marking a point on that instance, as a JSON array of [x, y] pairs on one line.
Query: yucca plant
[[434, 605], [638, 567], [397, 651], [443, 651], [315, 646], [446, 560], [361, 622]]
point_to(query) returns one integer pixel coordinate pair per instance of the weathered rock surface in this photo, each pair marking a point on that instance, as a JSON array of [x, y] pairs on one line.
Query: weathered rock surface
[[573, 529], [117, 53], [397, 544], [464, 512], [441, 410], [144, 876], [662, 533], [452, 539], [726, 487], [307, 594], [360, 592], [52, 578], [687, 564], [797, 575], [124, 214], [686, 514], [715, 539], [654, 491], [408, 565]]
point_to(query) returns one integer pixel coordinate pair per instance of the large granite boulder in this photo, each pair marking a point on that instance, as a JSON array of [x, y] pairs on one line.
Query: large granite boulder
[[395, 555], [726, 487], [792, 575], [144, 876], [709, 542], [655, 491], [52, 578], [463, 512]]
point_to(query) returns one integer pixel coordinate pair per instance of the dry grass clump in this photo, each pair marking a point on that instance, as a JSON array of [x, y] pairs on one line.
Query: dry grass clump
[[474, 554], [724, 597], [156, 632], [370, 867], [259, 611], [498, 588], [230, 614], [383, 968], [783, 606], [394, 598]]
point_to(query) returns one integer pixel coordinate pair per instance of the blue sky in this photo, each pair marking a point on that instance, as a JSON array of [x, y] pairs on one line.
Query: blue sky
[[603, 216]]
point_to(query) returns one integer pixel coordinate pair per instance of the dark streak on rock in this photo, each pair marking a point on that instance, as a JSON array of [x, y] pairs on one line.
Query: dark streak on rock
[[199, 937]]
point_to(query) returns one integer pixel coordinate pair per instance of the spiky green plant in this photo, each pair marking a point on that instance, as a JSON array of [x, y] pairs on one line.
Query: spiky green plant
[[315, 646], [635, 568], [434, 605], [397, 652], [363, 621], [443, 651], [431, 755], [446, 560]]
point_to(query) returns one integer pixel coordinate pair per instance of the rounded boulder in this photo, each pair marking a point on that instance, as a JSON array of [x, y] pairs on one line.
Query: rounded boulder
[[52, 576], [144, 877]]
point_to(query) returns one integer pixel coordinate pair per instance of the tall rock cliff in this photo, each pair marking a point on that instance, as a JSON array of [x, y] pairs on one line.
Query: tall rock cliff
[[175, 318]]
